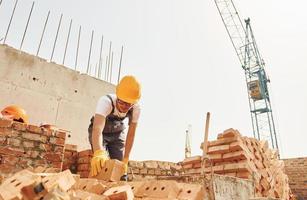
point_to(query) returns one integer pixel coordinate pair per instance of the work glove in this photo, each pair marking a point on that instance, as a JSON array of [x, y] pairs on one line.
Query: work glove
[[125, 161], [125, 168], [98, 161]]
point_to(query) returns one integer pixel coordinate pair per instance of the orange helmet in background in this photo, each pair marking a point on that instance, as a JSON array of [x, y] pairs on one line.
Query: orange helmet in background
[[129, 90], [15, 113]]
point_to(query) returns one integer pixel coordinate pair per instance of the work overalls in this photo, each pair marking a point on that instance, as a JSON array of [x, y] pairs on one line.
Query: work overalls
[[113, 133]]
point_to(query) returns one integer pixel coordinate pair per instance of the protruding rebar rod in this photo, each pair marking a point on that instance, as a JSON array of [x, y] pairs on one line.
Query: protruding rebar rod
[[106, 69], [77, 53], [100, 58], [40, 42], [89, 54], [8, 27], [67, 41], [56, 37], [24, 34], [111, 66], [109, 61], [120, 64]]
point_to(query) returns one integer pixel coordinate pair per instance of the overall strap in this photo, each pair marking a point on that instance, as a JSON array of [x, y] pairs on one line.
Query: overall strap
[[111, 103]]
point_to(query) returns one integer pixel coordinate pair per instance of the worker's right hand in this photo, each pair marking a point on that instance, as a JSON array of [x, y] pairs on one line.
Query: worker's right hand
[[98, 161]]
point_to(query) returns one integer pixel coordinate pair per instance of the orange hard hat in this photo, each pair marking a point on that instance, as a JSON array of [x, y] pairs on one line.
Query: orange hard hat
[[129, 89], [17, 113]]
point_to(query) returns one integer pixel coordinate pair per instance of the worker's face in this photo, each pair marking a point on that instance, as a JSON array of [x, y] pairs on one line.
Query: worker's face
[[123, 106]]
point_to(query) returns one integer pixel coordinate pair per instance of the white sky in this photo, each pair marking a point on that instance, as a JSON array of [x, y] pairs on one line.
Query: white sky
[[180, 51]]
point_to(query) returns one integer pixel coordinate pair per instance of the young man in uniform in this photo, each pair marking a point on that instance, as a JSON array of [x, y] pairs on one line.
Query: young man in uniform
[[106, 131]]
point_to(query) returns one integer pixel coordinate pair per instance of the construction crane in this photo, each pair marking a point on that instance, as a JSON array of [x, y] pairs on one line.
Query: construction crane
[[244, 43], [187, 150]]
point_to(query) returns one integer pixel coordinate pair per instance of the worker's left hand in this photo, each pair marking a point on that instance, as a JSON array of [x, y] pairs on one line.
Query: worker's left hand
[[125, 161]]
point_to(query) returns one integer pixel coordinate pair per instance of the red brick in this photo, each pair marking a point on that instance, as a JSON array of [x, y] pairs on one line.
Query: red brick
[[6, 123], [86, 159], [60, 134], [9, 132], [53, 156], [57, 141], [28, 144], [85, 153], [32, 153], [8, 168], [57, 165], [14, 142], [35, 129], [3, 140], [83, 167], [48, 132], [9, 159], [11, 151], [19, 126], [45, 147], [84, 174], [59, 149], [67, 154], [35, 137], [70, 147], [25, 162]]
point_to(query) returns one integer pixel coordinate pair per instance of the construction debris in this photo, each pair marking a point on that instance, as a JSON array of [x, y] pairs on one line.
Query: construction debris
[[66, 186]]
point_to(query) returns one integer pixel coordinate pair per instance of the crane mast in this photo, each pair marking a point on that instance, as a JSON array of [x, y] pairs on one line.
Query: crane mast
[[244, 43]]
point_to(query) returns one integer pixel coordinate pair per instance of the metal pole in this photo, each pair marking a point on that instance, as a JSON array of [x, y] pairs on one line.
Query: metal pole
[[109, 60], [100, 61], [106, 69], [77, 53], [24, 34], [111, 66], [56, 37], [67, 41], [40, 42], [8, 28], [96, 70], [89, 55], [120, 64]]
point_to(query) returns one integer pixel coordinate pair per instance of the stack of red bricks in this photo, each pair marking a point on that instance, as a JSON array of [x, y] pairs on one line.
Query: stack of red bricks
[[84, 162], [70, 158], [25, 145], [234, 155]]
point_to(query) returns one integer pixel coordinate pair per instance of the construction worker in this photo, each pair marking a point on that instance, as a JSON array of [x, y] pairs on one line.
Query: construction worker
[[15, 113], [106, 131]]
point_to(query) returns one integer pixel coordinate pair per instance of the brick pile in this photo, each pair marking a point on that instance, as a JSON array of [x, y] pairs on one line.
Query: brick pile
[[70, 158], [296, 169], [33, 186], [23, 146], [234, 155]]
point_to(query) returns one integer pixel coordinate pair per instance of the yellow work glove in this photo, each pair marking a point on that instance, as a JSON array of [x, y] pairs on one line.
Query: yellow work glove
[[125, 161], [98, 161]]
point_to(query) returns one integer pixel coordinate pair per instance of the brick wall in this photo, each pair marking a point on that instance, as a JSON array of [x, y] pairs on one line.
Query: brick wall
[[141, 170], [296, 169], [23, 146]]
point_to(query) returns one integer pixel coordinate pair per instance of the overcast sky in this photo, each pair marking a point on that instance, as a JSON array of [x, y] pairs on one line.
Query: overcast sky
[[182, 55]]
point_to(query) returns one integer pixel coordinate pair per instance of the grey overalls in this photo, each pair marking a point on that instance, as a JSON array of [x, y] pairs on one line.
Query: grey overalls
[[113, 133]]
